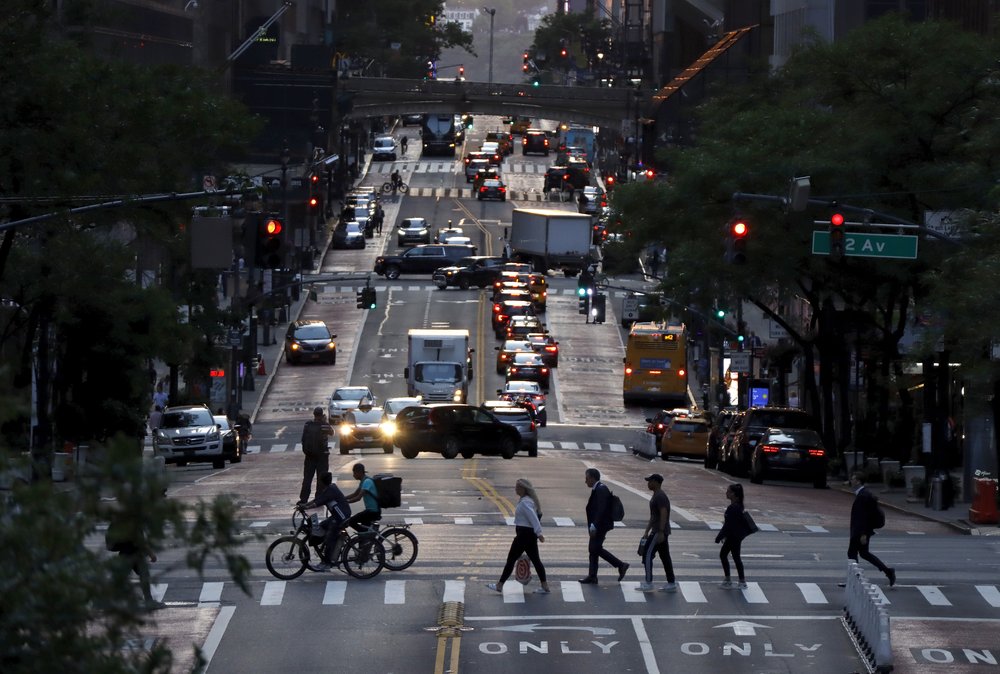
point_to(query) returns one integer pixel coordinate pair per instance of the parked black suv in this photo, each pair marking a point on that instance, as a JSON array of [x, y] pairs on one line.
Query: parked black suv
[[750, 429], [480, 270], [535, 140], [422, 259], [452, 429]]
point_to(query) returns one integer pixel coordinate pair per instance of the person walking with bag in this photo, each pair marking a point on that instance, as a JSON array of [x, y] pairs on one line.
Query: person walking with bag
[[657, 535], [527, 536], [864, 512], [734, 530], [599, 522], [316, 447]]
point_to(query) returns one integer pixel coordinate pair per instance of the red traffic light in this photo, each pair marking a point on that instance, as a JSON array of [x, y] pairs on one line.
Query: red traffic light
[[313, 202], [563, 52], [739, 228], [649, 174], [837, 219], [461, 71], [273, 227], [610, 180], [526, 56], [314, 178]]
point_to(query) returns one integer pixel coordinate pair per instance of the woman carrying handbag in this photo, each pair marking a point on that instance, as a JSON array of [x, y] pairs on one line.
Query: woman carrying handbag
[[527, 535], [735, 528]]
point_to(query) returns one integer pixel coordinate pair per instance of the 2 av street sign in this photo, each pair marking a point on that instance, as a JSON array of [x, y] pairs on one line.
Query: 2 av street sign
[[863, 244]]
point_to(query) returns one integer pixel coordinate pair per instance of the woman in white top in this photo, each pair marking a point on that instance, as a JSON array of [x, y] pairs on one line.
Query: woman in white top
[[527, 534]]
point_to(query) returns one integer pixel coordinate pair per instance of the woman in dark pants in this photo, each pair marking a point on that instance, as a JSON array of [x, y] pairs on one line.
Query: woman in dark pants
[[527, 534], [734, 530]]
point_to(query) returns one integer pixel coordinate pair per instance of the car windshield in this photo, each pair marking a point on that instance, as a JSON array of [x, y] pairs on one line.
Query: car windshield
[[413, 224], [371, 416], [384, 143], [222, 422], [353, 228], [350, 394], [394, 406], [509, 416], [312, 332], [793, 437], [689, 427], [186, 419], [437, 372], [523, 387], [526, 359]]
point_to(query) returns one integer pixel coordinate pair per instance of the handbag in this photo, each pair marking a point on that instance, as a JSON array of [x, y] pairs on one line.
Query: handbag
[[752, 527], [643, 542], [522, 570]]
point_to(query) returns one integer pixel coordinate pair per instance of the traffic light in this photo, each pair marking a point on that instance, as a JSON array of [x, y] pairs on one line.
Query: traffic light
[[270, 243], [461, 71], [526, 62], [313, 204], [720, 314], [583, 299], [598, 309], [431, 71], [467, 121], [609, 183], [649, 173], [737, 232], [563, 52], [837, 237], [367, 298]]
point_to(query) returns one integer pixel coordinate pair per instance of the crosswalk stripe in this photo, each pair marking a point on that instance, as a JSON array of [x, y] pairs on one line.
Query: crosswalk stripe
[[513, 593], [277, 448], [692, 592], [253, 449], [569, 445], [335, 592], [454, 590], [211, 593], [766, 527], [990, 593], [463, 520], [617, 448], [572, 591], [564, 521], [157, 590], [754, 595], [259, 524], [811, 593], [816, 529], [395, 591], [592, 445], [274, 592], [630, 592], [933, 595], [413, 520], [713, 525], [545, 444]]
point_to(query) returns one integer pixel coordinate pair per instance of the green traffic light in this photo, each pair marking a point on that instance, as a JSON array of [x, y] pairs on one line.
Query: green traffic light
[[581, 291], [739, 338], [720, 313]]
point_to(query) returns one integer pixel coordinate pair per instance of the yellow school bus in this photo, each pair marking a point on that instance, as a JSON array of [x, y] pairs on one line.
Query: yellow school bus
[[656, 365]]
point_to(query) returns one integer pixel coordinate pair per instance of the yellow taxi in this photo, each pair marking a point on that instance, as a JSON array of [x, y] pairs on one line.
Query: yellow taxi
[[685, 436], [539, 289]]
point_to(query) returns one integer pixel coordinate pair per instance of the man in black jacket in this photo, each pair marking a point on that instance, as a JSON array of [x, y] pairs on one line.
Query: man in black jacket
[[599, 523], [315, 445], [863, 514]]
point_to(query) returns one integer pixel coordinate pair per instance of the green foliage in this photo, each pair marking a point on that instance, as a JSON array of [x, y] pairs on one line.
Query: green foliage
[[69, 605]]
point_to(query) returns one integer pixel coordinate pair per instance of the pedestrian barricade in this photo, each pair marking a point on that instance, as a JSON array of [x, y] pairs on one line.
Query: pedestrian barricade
[[867, 619]]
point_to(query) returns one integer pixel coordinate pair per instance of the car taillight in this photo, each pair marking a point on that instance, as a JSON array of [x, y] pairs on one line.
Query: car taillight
[[482, 189], [655, 372], [496, 308], [531, 426], [552, 349], [817, 452], [545, 370], [769, 449], [628, 370], [659, 427], [503, 189]]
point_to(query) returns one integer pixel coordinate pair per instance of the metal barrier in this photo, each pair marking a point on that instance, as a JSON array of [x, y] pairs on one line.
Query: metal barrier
[[867, 619]]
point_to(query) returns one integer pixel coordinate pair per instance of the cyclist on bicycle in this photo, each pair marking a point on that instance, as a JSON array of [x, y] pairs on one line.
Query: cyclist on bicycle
[[369, 492], [396, 180], [339, 510]]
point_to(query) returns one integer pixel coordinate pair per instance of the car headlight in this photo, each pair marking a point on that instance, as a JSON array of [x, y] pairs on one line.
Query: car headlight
[[345, 429], [388, 428], [331, 345], [213, 436], [457, 396], [294, 346]]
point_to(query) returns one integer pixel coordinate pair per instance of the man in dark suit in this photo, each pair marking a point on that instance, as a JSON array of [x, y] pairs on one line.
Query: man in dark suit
[[863, 514], [599, 523]]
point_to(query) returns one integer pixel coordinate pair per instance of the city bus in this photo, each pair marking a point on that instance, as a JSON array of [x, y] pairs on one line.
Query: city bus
[[438, 135], [656, 365]]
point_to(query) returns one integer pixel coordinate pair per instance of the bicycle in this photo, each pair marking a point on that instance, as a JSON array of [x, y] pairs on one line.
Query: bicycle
[[400, 186], [361, 555], [399, 544]]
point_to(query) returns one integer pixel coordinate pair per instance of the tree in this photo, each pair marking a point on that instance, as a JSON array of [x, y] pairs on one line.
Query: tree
[[881, 119]]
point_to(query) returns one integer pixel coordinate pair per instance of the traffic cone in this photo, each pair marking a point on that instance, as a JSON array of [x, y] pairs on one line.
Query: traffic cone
[[261, 370]]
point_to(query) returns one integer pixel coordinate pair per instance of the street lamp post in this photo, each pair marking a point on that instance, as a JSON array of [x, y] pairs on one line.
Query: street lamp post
[[492, 12]]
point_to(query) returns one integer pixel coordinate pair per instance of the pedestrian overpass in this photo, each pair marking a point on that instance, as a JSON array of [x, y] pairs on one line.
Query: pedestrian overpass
[[596, 106]]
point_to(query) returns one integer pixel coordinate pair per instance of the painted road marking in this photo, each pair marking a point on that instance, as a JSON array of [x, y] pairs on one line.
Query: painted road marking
[[335, 592], [990, 593], [274, 592], [572, 591], [692, 593], [753, 594], [211, 593], [395, 591], [811, 593], [454, 590], [933, 595]]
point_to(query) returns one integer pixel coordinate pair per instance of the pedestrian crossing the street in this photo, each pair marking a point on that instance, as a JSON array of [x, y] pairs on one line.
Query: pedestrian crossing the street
[[696, 594], [282, 448], [404, 166]]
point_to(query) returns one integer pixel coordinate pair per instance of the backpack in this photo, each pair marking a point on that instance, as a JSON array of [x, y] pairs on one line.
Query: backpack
[[314, 439], [617, 508], [878, 516], [390, 490]]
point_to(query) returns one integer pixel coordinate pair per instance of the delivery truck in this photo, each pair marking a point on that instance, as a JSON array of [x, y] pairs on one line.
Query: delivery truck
[[438, 365], [550, 239]]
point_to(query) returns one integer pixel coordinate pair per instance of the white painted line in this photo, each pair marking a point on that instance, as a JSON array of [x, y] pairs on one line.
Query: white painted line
[[882, 599], [753, 594], [816, 529], [259, 524], [217, 632], [158, 590], [811, 593], [933, 595], [395, 591], [454, 590], [568, 445], [334, 593], [692, 592], [674, 525], [211, 593], [917, 533], [617, 448], [509, 521], [763, 526], [714, 526], [298, 449], [463, 520], [545, 444], [572, 591], [413, 520], [630, 591], [592, 445], [274, 592], [513, 593], [620, 525], [990, 593], [278, 448], [253, 449], [674, 510], [648, 656], [417, 508], [564, 521]]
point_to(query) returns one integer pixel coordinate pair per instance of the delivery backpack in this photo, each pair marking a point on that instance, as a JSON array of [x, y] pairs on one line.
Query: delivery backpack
[[390, 490]]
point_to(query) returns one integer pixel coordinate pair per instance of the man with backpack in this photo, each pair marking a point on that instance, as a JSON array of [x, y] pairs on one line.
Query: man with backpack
[[369, 493], [315, 445], [600, 520], [866, 517]]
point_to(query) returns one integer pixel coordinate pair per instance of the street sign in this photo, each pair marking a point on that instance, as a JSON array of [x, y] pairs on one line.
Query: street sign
[[739, 361], [863, 244]]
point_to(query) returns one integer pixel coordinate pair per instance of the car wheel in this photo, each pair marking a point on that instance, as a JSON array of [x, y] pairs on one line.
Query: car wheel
[[819, 482], [345, 449], [756, 471], [468, 453], [392, 273], [218, 463], [408, 453], [710, 462], [508, 448], [387, 449], [450, 450], [442, 285], [533, 450], [237, 457], [463, 283]]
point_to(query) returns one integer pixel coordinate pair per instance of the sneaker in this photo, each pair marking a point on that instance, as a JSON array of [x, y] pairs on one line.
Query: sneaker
[[646, 587], [494, 587], [891, 573], [542, 590], [727, 585], [669, 587], [324, 566], [742, 585], [622, 570]]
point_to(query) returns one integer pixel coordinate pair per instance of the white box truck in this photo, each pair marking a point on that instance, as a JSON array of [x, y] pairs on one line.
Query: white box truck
[[438, 365], [550, 239]]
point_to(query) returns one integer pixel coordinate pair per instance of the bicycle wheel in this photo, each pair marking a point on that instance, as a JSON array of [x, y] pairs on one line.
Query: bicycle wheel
[[386, 188], [297, 517], [403, 187], [363, 557], [287, 558], [400, 547]]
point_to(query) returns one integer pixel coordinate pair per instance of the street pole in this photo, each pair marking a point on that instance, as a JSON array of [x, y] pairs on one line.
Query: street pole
[[492, 12]]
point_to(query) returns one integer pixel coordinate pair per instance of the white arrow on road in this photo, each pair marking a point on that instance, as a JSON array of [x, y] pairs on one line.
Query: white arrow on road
[[742, 628], [535, 627]]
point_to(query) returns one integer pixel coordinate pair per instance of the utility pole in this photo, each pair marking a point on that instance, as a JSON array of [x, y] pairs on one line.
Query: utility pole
[[492, 12]]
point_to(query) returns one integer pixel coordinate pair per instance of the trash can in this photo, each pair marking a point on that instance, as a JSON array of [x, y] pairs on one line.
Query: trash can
[[984, 503], [935, 493]]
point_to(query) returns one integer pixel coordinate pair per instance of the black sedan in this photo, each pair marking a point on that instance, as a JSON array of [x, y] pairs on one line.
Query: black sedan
[[528, 367], [492, 189], [795, 451], [453, 429], [348, 235], [232, 445]]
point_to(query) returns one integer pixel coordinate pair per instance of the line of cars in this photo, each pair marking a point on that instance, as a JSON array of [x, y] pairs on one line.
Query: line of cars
[[759, 443]]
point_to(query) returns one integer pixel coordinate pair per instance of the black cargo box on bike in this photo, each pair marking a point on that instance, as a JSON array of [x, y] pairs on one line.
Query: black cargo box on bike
[[390, 490]]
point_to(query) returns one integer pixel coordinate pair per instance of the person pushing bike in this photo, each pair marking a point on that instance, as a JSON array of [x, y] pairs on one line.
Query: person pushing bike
[[396, 180], [339, 510]]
